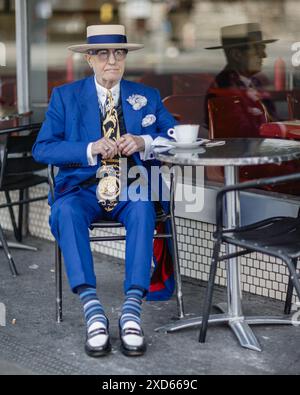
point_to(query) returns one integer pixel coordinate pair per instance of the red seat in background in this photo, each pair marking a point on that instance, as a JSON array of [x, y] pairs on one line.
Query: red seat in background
[[235, 116], [285, 129]]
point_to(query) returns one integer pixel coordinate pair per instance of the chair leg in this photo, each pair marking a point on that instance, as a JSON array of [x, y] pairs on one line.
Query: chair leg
[[209, 292], [178, 281], [58, 283], [290, 290], [8, 254], [19, 236], [12, 216]]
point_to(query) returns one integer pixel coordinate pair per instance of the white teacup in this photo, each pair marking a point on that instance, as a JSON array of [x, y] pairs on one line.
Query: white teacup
[[184, 133]]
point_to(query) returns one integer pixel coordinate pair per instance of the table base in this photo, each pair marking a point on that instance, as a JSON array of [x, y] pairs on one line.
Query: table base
[[20, 246], [239, 325]]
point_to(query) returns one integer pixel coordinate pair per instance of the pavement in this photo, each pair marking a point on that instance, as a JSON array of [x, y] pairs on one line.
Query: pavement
[[32, 343]]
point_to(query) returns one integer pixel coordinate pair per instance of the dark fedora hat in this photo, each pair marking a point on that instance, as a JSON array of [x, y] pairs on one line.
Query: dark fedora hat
[[241, 35]]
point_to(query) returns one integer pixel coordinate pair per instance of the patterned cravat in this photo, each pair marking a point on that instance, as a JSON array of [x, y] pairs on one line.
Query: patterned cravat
[[109, 187]]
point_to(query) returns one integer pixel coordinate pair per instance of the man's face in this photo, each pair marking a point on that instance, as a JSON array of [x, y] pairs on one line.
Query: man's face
[[249, 61], [108, 66], [255, 55]]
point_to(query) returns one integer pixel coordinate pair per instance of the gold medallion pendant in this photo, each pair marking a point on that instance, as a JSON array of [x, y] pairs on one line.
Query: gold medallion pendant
[[109, 187]]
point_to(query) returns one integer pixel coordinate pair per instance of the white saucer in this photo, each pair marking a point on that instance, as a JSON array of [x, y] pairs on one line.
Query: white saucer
[[187, 145], [187, 154]]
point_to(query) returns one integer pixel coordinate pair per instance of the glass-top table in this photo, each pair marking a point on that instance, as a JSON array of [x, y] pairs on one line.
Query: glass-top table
[[10, 118], [235, 152], [232, 155]]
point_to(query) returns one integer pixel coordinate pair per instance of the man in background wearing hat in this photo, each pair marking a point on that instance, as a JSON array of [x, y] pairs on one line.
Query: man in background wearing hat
[[90, 126], [245, 50]]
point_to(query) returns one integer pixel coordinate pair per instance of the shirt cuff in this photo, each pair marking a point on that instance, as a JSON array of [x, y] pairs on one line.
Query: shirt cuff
[[147, 153], [92, 159]]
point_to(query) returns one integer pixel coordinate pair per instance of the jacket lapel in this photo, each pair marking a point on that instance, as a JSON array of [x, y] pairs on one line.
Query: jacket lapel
[[132, 118], [91, 114], [89, 108]]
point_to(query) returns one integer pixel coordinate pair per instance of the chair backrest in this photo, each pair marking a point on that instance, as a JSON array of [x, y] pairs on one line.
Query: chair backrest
[[16, 158], [186, 108], [191, 84], [235, 116]]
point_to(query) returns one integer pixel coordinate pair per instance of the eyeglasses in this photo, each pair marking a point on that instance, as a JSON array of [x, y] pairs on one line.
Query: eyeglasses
[[104, 54]]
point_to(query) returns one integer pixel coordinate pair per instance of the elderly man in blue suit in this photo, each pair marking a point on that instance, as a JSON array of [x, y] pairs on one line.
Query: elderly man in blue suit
[[90, 127]]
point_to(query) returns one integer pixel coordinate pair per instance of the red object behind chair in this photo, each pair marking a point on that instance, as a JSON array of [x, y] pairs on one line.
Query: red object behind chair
[[235, 116], [70, 68], [283, 130], [280, 75]]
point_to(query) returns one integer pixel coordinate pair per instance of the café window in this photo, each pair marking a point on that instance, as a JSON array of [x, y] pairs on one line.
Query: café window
[[176, 35]]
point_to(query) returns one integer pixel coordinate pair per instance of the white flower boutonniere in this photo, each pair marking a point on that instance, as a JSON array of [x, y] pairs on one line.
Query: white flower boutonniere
[[149, 120], [137, 102]]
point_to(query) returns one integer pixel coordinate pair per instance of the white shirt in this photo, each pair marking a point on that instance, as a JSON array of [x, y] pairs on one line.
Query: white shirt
[[252, 92], [102, 95], [247, 81]]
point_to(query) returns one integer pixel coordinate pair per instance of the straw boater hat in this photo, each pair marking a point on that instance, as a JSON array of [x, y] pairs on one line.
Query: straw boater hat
[[241, 35], [104, 37]]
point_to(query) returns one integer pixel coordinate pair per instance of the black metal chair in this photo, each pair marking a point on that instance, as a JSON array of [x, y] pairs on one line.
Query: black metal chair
[[277, 236], [161, 217], [18, 172]]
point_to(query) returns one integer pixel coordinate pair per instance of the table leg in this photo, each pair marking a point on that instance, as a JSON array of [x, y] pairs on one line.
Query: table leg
[[178, 282], [237, 321], [233, 220]]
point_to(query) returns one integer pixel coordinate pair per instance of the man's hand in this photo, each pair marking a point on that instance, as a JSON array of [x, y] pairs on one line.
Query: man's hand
[[105, 147], [129, 144]]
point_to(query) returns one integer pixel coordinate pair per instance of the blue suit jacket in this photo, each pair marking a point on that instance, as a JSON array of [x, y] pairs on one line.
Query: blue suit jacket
[[73, 121]]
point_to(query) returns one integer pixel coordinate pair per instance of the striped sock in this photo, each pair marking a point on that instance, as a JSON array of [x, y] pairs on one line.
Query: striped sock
[[132, 307], [93, 309]]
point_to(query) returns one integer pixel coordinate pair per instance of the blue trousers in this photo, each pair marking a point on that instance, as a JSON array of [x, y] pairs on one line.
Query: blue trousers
[[71, 216]]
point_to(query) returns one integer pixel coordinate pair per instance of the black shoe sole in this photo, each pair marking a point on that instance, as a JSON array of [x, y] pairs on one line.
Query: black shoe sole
[[98, 353], [133, 353]]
